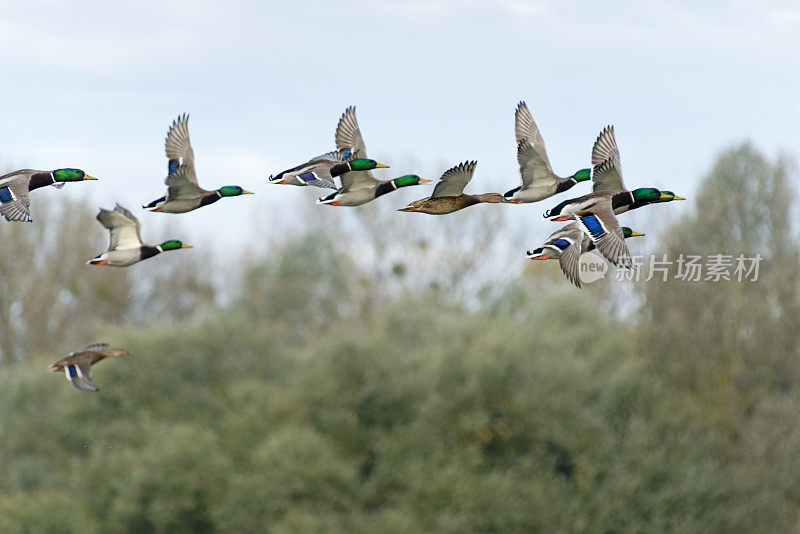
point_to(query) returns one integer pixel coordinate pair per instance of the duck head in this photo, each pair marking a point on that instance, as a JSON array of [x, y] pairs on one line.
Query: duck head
[[71, 175], [364, 164], [408, 179], [232, 191], [118, 352], [649, 195], [667, 196], [172, 244], [582, 175], [627, 232]]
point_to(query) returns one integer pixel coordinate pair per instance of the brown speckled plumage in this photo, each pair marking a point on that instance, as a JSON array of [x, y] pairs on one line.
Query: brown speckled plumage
[[448, 195]]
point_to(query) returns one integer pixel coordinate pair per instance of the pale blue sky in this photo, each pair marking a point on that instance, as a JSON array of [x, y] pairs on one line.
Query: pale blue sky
[[96, 85]]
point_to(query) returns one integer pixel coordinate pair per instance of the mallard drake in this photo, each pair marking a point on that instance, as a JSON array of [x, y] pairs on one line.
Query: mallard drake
[[448, 195], [538, 179], [78, 365], [621, 202], [595, 215], [320, 172], [607, 175], [359, 186], [15, 186], [566, 245], [125, 245], [183, 192]]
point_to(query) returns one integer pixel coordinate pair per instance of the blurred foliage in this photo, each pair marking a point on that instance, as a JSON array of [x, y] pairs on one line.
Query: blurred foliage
[[322, 398]]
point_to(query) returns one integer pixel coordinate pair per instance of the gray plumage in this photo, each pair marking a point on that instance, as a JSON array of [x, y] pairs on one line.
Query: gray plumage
[[525, 129], [538, 179], [595, 216], [125, 242], [17, 207], [183, 192], [568, 257], [315, 172], [348, 136], [606, 162]]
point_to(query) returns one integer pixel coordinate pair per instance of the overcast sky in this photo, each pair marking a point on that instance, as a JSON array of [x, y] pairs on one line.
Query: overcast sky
[[95, 85]]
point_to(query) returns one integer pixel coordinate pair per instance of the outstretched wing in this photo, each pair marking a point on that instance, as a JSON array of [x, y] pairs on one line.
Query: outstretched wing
[[180, 186], [568, 240], [95, 347], [604, 230], [607, 176], [14, 201], [525, 128], [319, 177], [179, 148], [532, 166], [334, 156], [348, 136], [453, 181], [80, 375], [123, 228]]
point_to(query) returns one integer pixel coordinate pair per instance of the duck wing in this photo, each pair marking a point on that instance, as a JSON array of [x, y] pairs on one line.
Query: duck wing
[[607, 177], [124, 228], [533, 167], [525, 128], [334, 156], [602, 227], [348, 137], [80, 374], [180, 185], [179, 148], [569, 239], [348, 134], [15, 203], [453, 181]]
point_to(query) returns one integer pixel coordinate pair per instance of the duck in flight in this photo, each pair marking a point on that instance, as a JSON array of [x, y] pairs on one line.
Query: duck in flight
[[183, 192], [359, 186], [538, 179], [125, 245], [15, 203], [77, 366]]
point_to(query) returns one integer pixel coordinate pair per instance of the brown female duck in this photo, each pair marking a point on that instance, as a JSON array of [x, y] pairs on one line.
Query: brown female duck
[[78, 365], [448, 195]]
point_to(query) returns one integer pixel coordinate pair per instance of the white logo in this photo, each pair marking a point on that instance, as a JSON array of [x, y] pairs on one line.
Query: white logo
[[591, 268]]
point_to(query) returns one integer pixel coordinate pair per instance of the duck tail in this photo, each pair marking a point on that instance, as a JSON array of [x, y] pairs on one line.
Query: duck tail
[[327, 200]]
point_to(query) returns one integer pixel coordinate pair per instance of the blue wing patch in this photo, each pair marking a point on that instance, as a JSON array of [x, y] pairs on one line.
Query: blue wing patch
[[562, 244], [593, 225], [5, 195], [346, 153], [173, 164], [71, 373], [307, 177]]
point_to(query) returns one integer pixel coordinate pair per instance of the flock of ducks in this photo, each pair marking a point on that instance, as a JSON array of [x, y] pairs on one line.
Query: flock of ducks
[[594, 215]]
